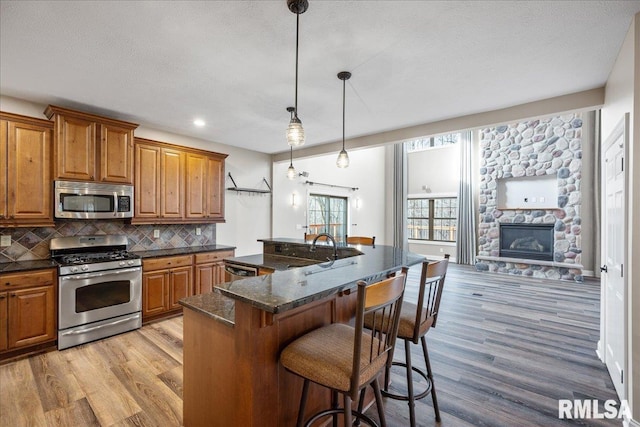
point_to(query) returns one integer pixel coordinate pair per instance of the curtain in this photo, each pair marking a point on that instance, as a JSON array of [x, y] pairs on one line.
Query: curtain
[[400, 196], [466, 239]]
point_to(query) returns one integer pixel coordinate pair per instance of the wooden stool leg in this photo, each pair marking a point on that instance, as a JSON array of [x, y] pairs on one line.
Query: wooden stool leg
[[303, 403], [412, 408], [430, 376]]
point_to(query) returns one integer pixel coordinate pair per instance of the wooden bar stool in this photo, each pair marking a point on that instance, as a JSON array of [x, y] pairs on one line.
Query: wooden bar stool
[[310, 237], [361, 240], [415, 322], [346, 359]]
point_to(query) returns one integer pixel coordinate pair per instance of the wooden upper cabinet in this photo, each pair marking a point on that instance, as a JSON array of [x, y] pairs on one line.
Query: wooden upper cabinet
[[25, 171], [147, 181], [116, 154], [177, 184], [91, 148], [196, 186], [205, 192], [215, 188], [172, 183]]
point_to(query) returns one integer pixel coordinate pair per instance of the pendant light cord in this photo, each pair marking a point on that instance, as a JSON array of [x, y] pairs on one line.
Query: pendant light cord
[[297, 37], [344, 84]]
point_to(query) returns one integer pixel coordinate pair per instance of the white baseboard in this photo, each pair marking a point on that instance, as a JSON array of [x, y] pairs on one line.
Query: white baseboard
[[600, 352], [630, 423]]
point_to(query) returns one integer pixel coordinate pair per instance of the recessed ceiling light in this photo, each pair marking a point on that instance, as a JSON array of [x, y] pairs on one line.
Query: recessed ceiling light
[[199, 122]]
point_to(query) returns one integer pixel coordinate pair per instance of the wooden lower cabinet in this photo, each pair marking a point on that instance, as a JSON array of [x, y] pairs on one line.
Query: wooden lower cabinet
[[164, 282], [209, 270], [28, 314]]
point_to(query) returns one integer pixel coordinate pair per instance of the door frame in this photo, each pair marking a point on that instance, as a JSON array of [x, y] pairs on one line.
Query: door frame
[[619, 133]]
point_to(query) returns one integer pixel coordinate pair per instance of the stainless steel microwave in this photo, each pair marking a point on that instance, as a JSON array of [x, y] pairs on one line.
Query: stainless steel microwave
[[90, 200]]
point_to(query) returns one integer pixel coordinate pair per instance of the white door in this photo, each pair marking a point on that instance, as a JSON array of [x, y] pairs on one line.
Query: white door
[[614, 250]]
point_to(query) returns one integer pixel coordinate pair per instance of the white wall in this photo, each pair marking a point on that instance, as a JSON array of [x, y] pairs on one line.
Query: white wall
[[622, 95], [366, 171], [248, 218]]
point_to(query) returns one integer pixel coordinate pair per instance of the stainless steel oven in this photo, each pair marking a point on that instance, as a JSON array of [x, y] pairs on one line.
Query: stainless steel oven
[[99, 288]]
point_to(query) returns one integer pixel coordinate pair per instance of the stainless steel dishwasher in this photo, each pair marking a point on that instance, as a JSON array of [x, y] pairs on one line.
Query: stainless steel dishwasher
[[237, 271]]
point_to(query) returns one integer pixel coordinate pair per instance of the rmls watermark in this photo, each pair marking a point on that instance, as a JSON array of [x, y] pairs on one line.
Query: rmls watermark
[[592, 409]]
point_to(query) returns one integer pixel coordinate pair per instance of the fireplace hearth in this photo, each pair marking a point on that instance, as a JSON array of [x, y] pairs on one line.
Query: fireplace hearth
[[527, 241]]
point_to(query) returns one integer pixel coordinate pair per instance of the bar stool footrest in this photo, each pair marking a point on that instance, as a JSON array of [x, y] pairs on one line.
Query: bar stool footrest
[[340, 411], [416, 396]]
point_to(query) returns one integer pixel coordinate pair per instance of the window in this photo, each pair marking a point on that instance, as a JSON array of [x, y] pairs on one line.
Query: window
[[327, 214], [433, 219], [431, 142]]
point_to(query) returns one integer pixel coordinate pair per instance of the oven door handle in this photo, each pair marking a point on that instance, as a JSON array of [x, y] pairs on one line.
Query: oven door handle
[[84, 331], [104, 273]]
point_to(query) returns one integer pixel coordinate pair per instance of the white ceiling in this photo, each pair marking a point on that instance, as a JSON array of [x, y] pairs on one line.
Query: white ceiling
[[164, 63]]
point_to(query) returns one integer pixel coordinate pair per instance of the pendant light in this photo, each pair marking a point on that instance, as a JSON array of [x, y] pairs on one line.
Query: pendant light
[[343, 157], [291, 172], [295, 132]]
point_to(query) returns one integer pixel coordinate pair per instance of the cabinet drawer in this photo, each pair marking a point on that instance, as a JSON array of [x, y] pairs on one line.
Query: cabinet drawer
[[166, 262], [213, 256], [24, 279]]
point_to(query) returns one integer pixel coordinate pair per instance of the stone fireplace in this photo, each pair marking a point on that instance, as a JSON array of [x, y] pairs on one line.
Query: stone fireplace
[[531, 175], [526, 241]]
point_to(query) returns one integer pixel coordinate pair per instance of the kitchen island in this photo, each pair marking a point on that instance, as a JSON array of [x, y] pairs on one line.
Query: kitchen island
[[233, 337]]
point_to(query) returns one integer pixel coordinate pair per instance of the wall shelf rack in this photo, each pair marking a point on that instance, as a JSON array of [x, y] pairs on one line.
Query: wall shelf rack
[[248, 190]]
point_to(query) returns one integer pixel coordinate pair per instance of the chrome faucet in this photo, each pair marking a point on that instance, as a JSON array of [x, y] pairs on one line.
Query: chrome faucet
[[329, 237]]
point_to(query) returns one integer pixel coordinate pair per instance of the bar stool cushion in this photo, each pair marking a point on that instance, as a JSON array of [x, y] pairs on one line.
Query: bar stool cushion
[[408, 321], [325, 356]]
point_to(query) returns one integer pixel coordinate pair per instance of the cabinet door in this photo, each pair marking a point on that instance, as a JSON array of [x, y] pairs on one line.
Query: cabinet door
[[172, 184], [204, 278], [32, 316], [3, 169], [215, 190], [181, 286], [155, 287], [4, 326], [147, 182], [75, 148], [29, 173], [196, 186], [116, 154]]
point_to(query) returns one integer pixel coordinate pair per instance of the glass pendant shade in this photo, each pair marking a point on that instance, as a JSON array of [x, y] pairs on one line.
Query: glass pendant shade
[[295, 132], [343, 159], [291, 172]]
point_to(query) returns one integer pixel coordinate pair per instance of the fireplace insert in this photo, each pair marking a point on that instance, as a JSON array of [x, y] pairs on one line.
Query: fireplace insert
[[527, 241]]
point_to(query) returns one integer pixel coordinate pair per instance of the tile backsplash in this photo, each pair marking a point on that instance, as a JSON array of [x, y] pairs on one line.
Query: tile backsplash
[[33, 243]]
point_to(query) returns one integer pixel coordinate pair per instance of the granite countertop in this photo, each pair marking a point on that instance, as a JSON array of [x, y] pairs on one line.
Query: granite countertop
[[17, 266], [286, 289], [273, 262], [156, 253]]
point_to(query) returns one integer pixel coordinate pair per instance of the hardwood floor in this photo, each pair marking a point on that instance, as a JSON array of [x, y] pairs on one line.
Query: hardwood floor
[[503, 353]]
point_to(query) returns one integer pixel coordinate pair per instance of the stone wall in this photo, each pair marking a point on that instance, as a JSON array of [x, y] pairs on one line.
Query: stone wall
[[33, 243], [551, 146]]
